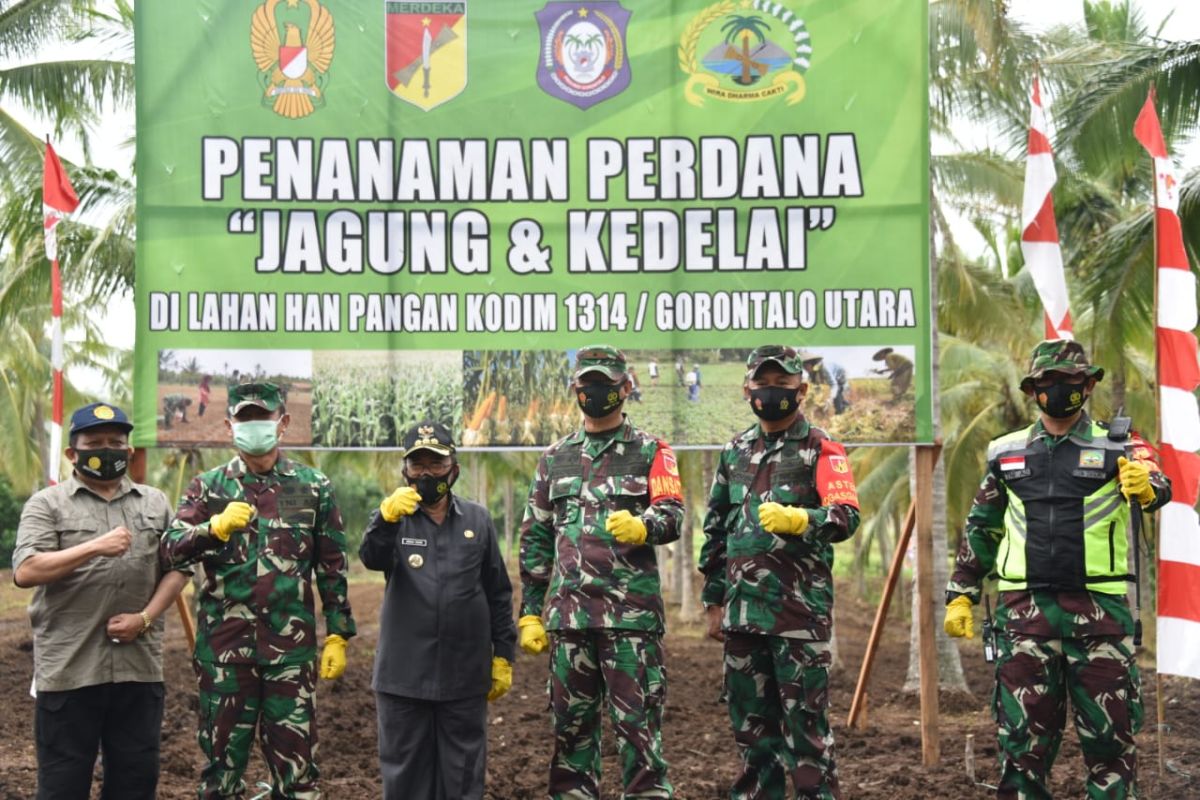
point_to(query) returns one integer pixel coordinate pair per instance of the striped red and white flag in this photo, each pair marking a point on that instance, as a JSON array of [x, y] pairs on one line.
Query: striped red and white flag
[[1039, 234], [58, 200], [1178, 376]]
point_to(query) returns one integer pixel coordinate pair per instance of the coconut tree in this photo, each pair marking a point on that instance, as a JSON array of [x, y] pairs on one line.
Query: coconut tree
[[745, 26]]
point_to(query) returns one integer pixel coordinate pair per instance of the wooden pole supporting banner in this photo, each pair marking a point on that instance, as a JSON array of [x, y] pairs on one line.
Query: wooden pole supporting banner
[[858, 703], [926, 642], [137, 473]]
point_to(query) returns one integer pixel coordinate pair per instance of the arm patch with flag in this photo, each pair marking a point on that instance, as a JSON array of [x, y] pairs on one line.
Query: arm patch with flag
[[664, 475], [835, 481]]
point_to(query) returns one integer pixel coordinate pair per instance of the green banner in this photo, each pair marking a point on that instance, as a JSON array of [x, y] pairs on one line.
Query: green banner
[[403, 209]]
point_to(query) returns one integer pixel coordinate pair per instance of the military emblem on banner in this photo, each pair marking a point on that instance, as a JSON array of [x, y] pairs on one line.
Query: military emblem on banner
[[426, 51], [292, 44], [583, 58], [745, 51]]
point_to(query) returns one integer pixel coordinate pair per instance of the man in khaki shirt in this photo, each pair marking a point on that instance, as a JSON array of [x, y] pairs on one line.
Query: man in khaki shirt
[[90, 547]]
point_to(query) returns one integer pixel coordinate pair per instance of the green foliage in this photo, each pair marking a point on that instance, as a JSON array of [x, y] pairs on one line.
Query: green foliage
[[10, 517]]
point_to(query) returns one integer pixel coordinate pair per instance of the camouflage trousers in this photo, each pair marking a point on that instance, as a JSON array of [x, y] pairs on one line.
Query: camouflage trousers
[[778, 694], [280, 702], [628, 667], [1034, 678]]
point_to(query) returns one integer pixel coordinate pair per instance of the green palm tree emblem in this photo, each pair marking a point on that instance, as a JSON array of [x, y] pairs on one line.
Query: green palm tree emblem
[[584, 51], [745, 26]]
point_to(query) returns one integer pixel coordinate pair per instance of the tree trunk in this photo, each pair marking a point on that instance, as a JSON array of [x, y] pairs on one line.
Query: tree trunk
[[950, 674], [689, 608]]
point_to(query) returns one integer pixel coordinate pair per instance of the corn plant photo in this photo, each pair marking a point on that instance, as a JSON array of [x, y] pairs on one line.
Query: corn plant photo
[[369, 398]]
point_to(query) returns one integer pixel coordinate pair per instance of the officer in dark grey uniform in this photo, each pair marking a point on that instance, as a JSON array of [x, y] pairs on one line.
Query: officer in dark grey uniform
[[446, 633]]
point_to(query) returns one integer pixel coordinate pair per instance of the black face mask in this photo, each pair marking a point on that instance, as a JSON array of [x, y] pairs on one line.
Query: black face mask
[[774, 403], [599, 399], [1061, 400], [433, 488], [103, 464]]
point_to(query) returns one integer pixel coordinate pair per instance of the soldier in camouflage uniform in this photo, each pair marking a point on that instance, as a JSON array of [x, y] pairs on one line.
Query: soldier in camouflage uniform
[[261, 525], [173, 403], [602, 498], [1050, 520], [782, 495]]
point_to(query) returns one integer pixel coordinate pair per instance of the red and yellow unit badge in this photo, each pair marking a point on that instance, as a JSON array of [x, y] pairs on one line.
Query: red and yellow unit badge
[[292, 43], [835, 482], [664, 475], [426, 51]]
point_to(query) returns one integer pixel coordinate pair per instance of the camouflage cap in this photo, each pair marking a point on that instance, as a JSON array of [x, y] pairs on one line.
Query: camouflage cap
[[602, 358], [1059, 355], [265, 395], [429, 435], [787, 358]]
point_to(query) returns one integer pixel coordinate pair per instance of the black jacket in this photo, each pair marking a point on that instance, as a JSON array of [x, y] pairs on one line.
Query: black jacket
[[447, 608]]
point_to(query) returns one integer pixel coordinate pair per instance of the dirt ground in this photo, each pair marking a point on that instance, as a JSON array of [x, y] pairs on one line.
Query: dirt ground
[[211, 427], [882, 761]]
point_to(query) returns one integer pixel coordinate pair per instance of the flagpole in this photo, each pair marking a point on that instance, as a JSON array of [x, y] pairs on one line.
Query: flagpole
[[1159, 703], [54, 459]]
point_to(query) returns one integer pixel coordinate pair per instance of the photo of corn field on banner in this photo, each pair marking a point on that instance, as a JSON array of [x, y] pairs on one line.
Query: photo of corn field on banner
[[684, 179]]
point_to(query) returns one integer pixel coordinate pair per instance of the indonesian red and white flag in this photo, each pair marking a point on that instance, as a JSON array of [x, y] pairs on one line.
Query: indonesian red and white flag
[[1039, 231], [58, 200], [1178, 376]]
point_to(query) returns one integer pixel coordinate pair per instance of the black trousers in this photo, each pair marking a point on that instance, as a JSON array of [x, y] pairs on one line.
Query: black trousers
[[121, 720], [432, 750]]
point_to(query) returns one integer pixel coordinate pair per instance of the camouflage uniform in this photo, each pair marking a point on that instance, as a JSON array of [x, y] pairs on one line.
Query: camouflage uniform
[[605, 611], [256, 634], [173, 403], [1050, 521], [777, 596]]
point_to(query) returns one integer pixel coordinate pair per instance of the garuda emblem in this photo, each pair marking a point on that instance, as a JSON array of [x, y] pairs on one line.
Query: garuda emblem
[[745, 51], [292, 42]]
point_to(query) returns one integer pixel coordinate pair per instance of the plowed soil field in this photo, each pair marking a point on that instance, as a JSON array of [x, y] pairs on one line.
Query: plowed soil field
[[882, 761]]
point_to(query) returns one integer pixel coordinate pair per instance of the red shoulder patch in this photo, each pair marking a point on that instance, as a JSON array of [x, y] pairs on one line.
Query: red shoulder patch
[[835, 482], [664, 475]]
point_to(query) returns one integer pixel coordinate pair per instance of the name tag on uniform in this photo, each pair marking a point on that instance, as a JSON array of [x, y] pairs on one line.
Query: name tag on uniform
[[1010, 463], [414, 542]]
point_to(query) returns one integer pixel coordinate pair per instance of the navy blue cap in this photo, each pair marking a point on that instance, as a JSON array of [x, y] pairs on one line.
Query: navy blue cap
[[94, 415]]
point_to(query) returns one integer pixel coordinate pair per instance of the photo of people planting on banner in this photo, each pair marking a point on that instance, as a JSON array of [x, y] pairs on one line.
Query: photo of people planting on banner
[[193, 388]]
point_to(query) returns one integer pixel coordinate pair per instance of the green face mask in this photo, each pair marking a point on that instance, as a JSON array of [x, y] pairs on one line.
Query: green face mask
[[256, 438]]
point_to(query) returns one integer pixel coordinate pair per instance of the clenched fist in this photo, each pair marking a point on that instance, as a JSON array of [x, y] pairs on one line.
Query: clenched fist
[[114, 543], [399, 503], [235, 517]]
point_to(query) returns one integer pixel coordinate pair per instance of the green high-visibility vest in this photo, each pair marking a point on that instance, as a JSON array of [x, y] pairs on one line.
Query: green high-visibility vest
[[1066, 521]]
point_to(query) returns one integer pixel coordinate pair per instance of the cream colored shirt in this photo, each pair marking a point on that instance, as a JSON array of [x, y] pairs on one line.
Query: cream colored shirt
[[70, 646]]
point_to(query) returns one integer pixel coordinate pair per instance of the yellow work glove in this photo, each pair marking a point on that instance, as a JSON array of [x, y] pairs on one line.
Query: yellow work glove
[[625, 527], [399, 503], [777, 518], [501, 678], [333, 657], [235, 517], [1135, 480], [959, 622], [532, 636]]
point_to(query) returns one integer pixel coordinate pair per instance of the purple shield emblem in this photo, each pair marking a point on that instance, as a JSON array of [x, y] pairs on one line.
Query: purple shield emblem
[[583, 57]]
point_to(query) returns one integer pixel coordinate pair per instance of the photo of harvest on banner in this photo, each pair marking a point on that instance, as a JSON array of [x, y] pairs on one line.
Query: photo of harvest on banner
[[369, 398], [516, 397], [193, 390], [856, 394]]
